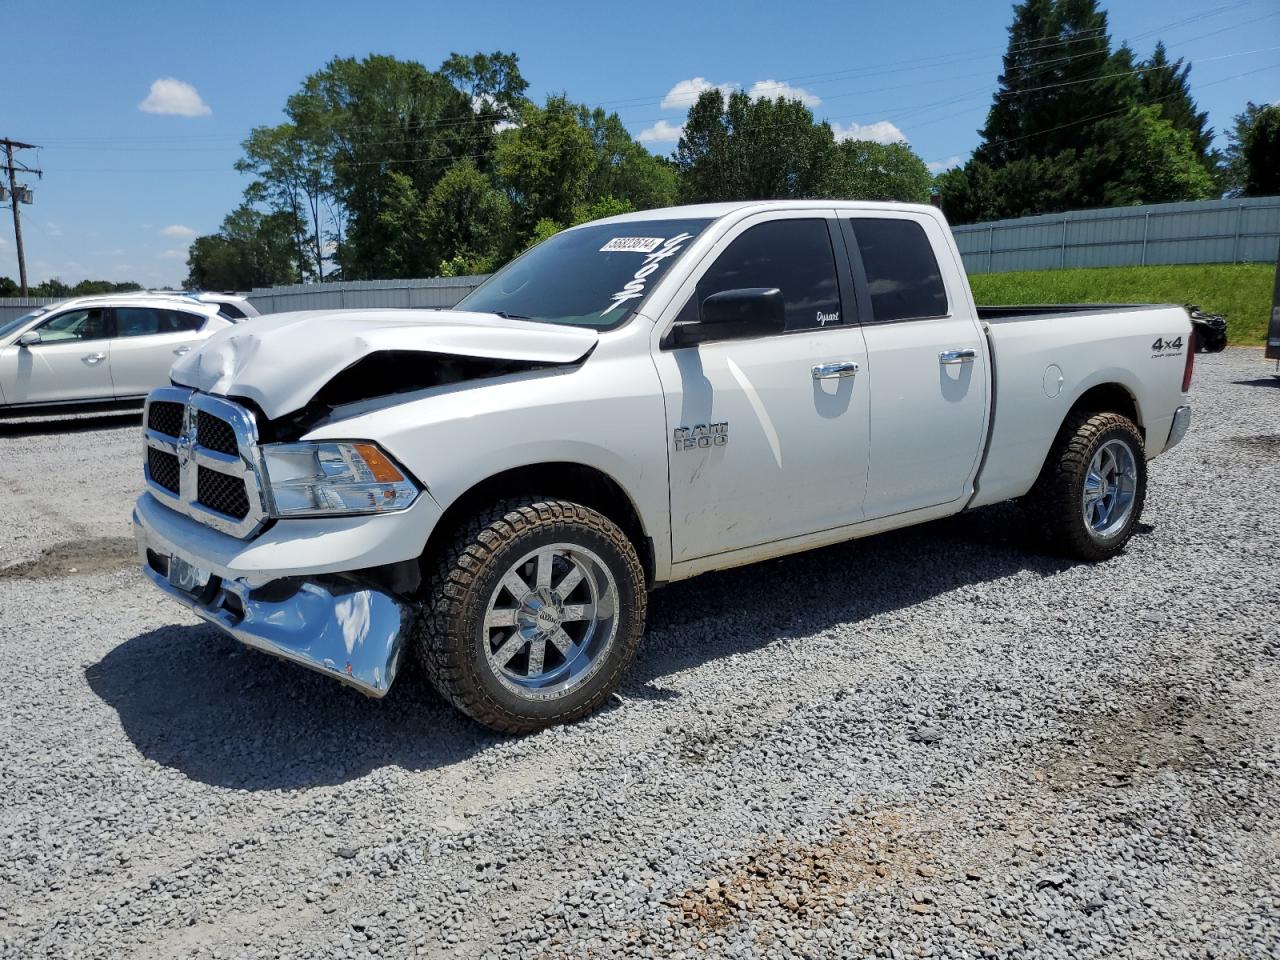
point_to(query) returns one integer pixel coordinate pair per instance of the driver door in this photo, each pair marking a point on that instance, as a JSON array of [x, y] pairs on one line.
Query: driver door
[[767, 434], [70, 362]]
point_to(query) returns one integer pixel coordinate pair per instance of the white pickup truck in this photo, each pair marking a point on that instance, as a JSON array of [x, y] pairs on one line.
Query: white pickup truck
[[494, 489]]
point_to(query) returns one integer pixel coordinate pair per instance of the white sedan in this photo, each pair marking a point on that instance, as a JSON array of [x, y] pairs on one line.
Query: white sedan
[[98, 350]]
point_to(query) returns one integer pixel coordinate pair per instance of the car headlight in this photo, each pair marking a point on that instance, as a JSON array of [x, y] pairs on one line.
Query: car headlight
[[329, 477]]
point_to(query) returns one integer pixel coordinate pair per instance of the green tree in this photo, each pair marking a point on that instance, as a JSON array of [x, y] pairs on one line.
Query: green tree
[[545, 163], [866, 170], [380, 116], [1058, 75], [492, 81], [1165, 83], [1251, 165], [623, 168], [292, 167], [87, 288], [251, 249], [1145, 158], [467, 217], [8, 287], [744, 149], [53, 287]]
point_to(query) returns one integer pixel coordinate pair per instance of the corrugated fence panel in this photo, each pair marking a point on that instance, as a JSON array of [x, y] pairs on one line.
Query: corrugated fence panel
[[435, 292], [1205, 231]]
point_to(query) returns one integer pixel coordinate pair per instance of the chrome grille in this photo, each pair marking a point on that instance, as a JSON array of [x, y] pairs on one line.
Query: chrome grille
[[221, 492], [165, 417], [209, 467], [164, 469], [214, 433]]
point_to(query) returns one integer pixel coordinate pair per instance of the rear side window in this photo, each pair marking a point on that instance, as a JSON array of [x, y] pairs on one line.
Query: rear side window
[[146, 321], [178, 321], [794, 256], [902, 272], [229, 311]]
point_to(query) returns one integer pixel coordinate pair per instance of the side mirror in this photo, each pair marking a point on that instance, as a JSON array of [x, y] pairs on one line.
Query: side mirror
[[28, 338], [735, 315]]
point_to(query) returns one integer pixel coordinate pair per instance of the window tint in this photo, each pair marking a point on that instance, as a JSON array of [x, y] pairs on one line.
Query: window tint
[[176, 321], [902, 273], [74, 325], [144, 321], [794, 256], [136, 321], [230, 311]]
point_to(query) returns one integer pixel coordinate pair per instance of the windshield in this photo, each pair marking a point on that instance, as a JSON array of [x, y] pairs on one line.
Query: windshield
[[592, 276], [8, 326]]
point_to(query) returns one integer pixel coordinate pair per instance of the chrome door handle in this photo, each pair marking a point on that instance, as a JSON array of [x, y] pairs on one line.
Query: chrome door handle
[[957, 356], [181, 351], [92, 358], [830, 371]]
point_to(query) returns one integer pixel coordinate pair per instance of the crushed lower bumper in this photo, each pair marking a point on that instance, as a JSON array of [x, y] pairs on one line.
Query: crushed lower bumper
[[347, 630]]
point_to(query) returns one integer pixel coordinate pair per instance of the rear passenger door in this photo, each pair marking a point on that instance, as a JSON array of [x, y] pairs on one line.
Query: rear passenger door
[[927, 364], [148, 341]]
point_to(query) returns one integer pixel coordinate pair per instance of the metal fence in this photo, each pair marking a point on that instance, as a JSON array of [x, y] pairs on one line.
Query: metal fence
[[11, 308], [1202, 231], [435, 292]]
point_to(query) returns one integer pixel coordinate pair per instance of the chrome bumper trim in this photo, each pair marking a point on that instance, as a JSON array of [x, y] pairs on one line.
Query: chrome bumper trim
[[355, 635], [1181, 424]]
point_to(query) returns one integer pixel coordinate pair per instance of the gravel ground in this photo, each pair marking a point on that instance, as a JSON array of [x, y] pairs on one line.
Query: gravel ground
[[931, 743]]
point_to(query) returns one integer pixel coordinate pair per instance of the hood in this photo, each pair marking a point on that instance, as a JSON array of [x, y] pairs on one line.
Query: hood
[[280, 361]]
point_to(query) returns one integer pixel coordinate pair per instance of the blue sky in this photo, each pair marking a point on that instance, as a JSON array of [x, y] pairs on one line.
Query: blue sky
[[126, 187]]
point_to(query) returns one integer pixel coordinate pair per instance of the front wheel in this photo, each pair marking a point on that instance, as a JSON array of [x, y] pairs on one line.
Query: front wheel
[[1091, 490], [536, 610]]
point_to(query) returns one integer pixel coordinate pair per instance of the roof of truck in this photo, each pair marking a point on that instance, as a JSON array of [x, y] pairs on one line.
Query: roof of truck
[[717, 210]]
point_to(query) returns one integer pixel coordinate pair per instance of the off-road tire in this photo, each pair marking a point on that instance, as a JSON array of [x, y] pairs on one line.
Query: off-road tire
[[448, 642], [1054, 503]]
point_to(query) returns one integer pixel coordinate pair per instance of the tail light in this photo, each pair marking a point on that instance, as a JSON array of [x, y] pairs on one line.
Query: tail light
[[1190, 368]]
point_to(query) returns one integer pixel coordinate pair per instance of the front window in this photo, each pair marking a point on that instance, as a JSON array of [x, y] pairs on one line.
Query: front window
[[592, 276], [9, 326], [89, 324]]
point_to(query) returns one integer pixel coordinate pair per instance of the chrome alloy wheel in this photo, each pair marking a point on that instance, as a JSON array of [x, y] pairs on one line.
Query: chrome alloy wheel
[[1109, 488], [551, 621]]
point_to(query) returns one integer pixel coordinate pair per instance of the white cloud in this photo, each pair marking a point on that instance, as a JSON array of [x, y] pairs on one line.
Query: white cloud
[[937, 166], [882, 131], [684, 93], [660, 132], [177, 230], [177, 253], [773, 89], [53, 229], [172, 96]]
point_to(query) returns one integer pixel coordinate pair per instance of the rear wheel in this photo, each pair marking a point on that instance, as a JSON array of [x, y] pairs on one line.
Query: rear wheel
[[1091, 490], [536, 611]]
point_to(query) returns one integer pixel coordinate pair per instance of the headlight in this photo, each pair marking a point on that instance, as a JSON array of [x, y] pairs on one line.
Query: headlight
[[334, 477]]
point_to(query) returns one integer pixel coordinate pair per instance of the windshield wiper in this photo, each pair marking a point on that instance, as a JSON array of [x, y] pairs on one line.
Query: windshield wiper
[[510, 316]]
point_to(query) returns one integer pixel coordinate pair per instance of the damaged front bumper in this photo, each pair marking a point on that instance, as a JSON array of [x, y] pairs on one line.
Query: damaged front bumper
[[348, 630]]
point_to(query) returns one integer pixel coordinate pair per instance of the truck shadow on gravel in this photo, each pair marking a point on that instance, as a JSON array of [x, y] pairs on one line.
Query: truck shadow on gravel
[[191, 699]]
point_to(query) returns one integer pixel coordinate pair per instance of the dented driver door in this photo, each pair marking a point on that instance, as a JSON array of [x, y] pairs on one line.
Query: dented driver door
[[767, 436]]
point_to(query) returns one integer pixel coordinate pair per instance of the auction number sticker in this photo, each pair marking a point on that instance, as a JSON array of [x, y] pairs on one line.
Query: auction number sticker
[[632, 245]]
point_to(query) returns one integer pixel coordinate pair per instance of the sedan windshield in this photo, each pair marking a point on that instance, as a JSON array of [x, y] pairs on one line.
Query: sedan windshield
[[592, 276], [8, 326]]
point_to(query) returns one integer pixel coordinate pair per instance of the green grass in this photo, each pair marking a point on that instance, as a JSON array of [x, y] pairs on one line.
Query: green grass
[[1241, 291]]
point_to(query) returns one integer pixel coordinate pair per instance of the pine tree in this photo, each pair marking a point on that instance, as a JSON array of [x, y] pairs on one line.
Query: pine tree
[[1057, 80], [1164, 83]]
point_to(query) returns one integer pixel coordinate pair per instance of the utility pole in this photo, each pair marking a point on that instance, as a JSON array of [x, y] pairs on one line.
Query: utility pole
[[15, 197]]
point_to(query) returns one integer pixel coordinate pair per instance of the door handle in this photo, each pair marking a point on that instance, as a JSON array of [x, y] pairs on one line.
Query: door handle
[[93, 358], [957, 356], [181, 351], [830, 371]]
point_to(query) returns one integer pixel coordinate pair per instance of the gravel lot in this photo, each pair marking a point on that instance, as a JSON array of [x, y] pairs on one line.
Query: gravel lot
[[931, 743]]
